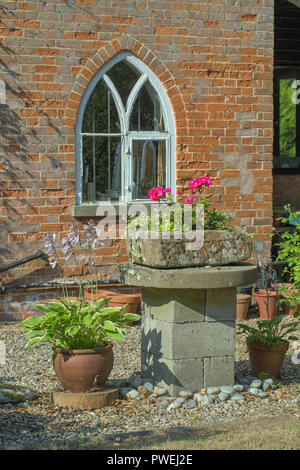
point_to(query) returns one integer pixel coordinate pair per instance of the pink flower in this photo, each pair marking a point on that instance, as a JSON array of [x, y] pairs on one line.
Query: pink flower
[[155, 194], [179, 192], [188, 200], [198, 182]]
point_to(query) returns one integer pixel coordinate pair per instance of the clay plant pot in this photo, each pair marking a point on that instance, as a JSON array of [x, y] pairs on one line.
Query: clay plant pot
[[288, 309], [117, 300], [78, 369], [242, 306], [267, 359], [262, 301]]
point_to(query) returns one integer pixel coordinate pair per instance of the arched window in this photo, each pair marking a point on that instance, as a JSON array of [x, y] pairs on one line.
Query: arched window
[[124, 134]]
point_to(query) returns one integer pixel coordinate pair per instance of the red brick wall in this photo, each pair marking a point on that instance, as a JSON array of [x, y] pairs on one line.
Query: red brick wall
[[215, 59]]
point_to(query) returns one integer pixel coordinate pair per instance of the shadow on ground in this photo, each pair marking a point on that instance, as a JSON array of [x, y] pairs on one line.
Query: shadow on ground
[[274, 433]]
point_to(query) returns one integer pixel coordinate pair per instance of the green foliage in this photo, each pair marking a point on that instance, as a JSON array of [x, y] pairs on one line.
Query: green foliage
[[217, 220], [213, 219], [266, 375], [270, 331], [289, 252], [263, 375], [287, 119], [69, 324]]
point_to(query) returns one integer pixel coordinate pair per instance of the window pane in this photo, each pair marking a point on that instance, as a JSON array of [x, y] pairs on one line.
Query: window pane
[[147, 112], [149, 166], [287, 119], [124, 76], [101, 115], [101, 168]]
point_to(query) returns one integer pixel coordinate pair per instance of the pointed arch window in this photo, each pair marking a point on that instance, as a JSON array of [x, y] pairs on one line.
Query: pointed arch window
[[125, 135]]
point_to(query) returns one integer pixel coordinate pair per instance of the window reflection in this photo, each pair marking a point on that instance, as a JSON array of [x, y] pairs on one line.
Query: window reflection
[[147, 113], [149, 164], [101, 168]]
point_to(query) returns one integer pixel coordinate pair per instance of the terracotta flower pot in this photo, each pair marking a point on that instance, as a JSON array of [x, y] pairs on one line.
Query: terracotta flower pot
[[265, 358], [78, 369], [242, 306], [288, 309], [262, 301]]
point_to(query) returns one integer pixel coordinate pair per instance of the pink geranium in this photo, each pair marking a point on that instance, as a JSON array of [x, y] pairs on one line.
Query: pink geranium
[[198, 182], [188, 200], [155, 194]]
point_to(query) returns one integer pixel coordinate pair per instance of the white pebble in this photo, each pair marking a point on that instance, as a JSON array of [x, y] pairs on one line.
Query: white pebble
[[190, 404], [185, 394], [238, 397], [160, 391], [256, 384], [227, 389], [238, 388], [223, 396], [213, 390]]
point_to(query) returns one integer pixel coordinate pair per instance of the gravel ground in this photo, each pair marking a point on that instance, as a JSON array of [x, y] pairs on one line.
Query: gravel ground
[[40, 424]]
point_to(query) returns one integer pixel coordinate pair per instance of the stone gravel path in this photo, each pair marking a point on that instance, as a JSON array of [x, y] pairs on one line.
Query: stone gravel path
[[40, 424]]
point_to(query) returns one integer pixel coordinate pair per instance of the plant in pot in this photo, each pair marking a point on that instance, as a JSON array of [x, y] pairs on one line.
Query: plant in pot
[[267, 298], [79, 331], [289, 252], [268, 343], [160, 240]]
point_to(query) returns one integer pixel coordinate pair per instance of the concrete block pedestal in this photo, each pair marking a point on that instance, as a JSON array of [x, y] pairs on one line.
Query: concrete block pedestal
[[188, 323]]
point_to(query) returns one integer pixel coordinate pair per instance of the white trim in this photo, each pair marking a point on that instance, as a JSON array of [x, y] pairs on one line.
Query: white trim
[[132, 97], [118, 101], [124, 116]]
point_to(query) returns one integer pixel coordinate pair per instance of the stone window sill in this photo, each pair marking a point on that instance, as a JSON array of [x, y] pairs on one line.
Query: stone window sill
[[92, 210]]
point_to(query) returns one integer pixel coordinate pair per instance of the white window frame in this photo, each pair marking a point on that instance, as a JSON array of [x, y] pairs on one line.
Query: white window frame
[[128, 136]]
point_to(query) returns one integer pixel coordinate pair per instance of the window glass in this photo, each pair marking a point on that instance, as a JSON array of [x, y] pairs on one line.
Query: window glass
[[124, 76], [287, 118], [101, 115], [147, 113], [125, 166], [101, 168], [148, 166]]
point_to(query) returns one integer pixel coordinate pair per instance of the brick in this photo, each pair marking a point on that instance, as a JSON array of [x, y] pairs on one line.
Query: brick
[[215, 62]]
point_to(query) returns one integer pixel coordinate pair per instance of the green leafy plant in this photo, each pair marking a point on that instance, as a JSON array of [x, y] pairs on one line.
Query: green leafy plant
[[69, 324], [263, 375], [266, 375], [289, 252], [270, 331], [76, 324]]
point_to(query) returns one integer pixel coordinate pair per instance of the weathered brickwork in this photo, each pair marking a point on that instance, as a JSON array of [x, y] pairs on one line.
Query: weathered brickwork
[[215, 60]]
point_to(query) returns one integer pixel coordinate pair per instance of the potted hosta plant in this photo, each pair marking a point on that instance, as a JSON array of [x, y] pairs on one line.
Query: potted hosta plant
[[78, 330], [268, 343], [161, 241]]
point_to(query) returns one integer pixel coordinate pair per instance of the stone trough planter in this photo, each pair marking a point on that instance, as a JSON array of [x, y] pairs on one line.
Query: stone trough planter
[[220, 247]]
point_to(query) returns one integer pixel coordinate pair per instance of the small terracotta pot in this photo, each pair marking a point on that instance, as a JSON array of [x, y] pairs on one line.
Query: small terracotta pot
[[262, 300], [242, 306], [267, 359], [78, 369], [286, 307]]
